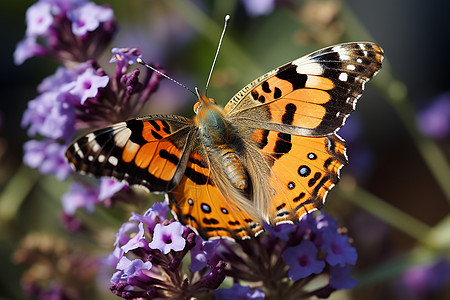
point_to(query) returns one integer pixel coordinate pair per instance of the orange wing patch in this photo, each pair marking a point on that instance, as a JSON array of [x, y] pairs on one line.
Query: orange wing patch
[[304, 169], [200, 204], [146, 151]]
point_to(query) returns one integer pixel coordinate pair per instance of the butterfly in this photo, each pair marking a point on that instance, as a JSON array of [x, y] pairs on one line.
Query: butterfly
[[270, 155]]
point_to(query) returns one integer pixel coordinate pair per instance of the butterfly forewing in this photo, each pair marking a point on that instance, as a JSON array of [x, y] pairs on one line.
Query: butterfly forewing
[[311, 96], [150, 151]]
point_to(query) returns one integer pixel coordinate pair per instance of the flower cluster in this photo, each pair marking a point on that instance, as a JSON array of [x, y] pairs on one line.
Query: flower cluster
[[281, 262], [69, 31], [82, 96]]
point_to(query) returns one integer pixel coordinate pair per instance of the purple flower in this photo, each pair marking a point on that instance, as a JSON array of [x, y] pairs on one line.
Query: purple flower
[[256, 8], [39, 18], [434, 121], [88, 17], [26, 48], [48, 157], [166, 238], [155, 214], [339, 278], [302, 260], [202, 253], [51, 115], [125, 55], [129, 269], [423, 281], [281, 231], [338, 249], [136, 241], [239, 292], [79, 196], [63, 80], [114, 258], [109, 187], [122, 236], [87, 85]]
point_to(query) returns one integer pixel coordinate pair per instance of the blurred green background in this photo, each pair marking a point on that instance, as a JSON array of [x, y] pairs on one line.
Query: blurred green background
[[394, 199]]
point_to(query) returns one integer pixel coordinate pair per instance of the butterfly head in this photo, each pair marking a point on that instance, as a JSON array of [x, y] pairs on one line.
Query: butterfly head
[[202, 101]]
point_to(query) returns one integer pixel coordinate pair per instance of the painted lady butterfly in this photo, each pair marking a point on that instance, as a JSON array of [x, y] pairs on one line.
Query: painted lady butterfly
[[271, 154]]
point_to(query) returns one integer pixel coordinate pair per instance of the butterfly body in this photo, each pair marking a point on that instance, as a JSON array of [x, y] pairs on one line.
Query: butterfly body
[[271, 155]]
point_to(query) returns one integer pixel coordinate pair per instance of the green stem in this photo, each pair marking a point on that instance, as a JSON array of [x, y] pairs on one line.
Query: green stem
[[15, 193], [386, 212]]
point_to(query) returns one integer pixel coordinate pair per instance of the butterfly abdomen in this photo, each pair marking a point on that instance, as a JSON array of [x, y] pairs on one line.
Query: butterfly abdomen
[[233, 167]]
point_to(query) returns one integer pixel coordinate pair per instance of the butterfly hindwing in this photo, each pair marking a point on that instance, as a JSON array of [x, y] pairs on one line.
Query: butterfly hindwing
[[200, 203], [150, 152], [311, 96], [303, 170]]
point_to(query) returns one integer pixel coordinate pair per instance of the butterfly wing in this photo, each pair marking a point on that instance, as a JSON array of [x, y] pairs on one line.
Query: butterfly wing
[[290, 115], [205, 201], [303, 170], [151, 152], [311, 96]]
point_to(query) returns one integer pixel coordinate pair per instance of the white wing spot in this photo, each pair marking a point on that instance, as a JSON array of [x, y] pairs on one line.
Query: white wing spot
[[113, 160], [121, 134], [101, 158], [95, 147], [343, 76], [78, 150], [309, 67], [351, 67], [359, 60], [90, 158], [90, 137]]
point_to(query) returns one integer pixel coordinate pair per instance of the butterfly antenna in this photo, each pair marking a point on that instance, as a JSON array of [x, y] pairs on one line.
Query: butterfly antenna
[[227, 19], [142, 62]]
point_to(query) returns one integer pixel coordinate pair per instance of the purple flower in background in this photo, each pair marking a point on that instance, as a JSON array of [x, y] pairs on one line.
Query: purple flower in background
[[51, 115], [66, 30], [27, 48], [80, 196], [434, 121], [166, 238], [423, 282], [109, 187], [39, 17], [88, 17], [256, 8], [48, 157], [302, 260], [239, 292]]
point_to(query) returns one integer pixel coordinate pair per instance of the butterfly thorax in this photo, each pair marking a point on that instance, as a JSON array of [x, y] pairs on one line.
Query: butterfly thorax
[[217, 135]]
